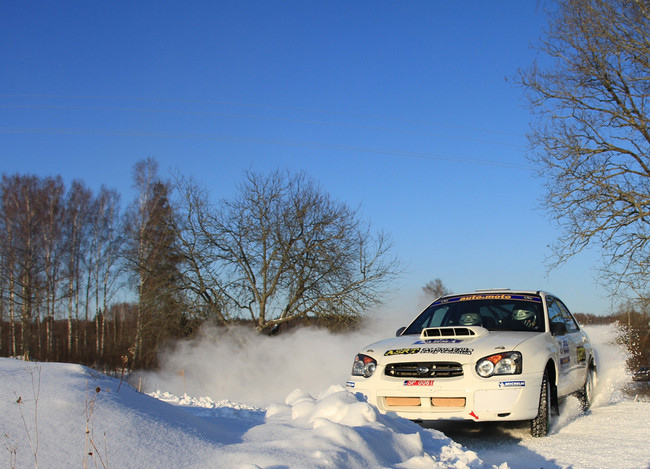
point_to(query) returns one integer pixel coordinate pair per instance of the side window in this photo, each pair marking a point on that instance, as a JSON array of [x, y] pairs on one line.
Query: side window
[[555, 316], [571, 324]]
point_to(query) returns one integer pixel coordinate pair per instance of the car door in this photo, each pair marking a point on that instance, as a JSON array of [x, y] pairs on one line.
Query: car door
[[577, 344], [571, 352]]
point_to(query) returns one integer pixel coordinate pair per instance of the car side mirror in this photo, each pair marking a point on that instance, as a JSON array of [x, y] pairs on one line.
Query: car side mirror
[[399, 331], [558, 328]]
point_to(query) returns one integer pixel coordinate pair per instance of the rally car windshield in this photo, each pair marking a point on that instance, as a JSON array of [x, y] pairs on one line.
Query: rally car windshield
[[494, 312]]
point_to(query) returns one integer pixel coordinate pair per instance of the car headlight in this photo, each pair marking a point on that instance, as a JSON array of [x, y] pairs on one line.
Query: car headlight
[[364, 366], [500, 364]]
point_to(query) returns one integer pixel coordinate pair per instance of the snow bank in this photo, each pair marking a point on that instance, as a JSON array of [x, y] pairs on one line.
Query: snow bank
[[358, 434]]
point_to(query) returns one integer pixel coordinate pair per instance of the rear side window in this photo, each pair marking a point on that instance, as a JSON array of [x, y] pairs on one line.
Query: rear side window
[[571, 324], [557, 312]]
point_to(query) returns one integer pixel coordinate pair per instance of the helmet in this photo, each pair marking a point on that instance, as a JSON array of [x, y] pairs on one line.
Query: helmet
[[470, 319], [526, 316], [521, 314]]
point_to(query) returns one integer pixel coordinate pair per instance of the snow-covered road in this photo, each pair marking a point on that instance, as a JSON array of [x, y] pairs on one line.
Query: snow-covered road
[[63, 415]]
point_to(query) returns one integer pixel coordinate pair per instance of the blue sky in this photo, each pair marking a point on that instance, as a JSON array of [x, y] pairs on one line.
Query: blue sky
[[407, 110]]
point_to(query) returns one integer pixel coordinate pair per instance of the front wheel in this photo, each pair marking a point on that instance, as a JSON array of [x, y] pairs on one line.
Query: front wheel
[[540, 425]]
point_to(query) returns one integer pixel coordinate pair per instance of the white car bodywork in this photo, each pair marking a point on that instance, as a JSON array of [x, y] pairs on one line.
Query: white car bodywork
[[430, 371]]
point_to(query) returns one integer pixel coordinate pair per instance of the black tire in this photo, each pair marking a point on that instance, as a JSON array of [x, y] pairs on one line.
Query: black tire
[[586, 394], [540, 425]]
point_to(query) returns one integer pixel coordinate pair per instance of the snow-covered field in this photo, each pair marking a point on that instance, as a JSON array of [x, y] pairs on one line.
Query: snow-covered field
[[61, 415]]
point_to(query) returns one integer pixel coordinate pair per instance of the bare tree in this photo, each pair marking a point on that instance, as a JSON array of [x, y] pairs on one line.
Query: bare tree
[[24, 216], [76, 236], [10, 245], [52, 229], [106, 244], [200, 272], [281, 249], [591, 138], [435, 289]]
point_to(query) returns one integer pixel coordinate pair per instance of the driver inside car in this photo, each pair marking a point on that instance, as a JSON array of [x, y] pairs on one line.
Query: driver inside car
[[525, 317], [470, 319]]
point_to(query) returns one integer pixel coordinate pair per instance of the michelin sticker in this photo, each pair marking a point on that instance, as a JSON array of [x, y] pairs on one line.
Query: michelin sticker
[[512, 384]]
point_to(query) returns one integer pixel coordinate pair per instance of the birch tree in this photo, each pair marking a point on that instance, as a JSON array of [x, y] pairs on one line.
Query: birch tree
[[106, 244], [77, 212], [52, 232]]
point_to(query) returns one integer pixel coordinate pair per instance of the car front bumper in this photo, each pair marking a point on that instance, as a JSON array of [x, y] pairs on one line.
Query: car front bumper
[[467, 398]]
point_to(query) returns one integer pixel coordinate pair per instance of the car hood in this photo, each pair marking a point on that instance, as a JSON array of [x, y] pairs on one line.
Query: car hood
[[448, 344]]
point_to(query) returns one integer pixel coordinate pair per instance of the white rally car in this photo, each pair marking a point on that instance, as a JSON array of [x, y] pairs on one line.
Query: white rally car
[[490, 355]]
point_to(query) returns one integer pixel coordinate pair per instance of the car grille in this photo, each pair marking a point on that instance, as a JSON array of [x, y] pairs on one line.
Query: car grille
[[424, 370]]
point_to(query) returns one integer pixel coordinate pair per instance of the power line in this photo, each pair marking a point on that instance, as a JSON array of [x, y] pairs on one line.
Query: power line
[[260, 106], [249, 116], [318, 145]]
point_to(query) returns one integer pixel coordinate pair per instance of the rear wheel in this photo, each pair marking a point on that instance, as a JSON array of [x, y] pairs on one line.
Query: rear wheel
[[540, 425], [586, 394]]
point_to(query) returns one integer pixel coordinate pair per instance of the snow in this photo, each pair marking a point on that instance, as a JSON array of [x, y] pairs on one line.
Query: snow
[[55, 414]]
